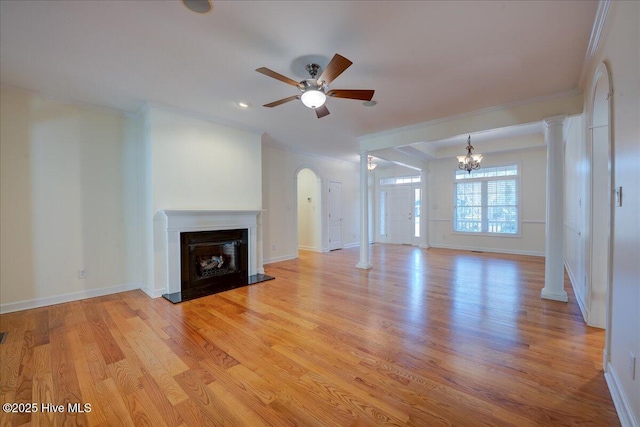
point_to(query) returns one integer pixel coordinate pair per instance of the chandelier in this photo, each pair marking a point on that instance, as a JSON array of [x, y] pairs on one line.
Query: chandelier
[[371, 166], [470, 161]]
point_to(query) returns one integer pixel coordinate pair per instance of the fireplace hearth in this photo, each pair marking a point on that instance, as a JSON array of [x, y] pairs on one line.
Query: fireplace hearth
[[212, 262]]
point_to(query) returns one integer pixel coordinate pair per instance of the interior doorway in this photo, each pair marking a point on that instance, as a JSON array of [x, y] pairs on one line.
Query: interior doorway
[[334, 210], [308, 188], [600, 212]]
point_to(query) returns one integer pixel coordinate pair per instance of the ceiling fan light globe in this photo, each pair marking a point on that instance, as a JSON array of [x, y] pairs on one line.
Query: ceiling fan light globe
[[313, 98]]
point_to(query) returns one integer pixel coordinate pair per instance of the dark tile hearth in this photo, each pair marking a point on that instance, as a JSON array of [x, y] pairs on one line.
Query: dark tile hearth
[[204, 291]]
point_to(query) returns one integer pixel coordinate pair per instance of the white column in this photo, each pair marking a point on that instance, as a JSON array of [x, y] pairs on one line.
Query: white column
[[424, 209], [364, 262], [554, 236]]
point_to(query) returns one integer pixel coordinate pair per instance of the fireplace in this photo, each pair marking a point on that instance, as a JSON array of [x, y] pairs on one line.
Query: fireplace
[[213, 261], [202, 252]]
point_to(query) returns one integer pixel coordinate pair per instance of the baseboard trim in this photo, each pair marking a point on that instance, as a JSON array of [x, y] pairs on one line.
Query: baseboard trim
[[59, 299], [492, 250], [623, 408], [279, 258], [153, 293], [579, 297], [309, 248]]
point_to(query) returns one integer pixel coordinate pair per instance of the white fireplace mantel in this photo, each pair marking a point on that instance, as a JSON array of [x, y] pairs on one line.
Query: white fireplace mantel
[[169, 223]]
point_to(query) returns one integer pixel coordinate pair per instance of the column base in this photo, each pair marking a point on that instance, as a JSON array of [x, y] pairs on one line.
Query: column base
[[364, 266], [556, 296]]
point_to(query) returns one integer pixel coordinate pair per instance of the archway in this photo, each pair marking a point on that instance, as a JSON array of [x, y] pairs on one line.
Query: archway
[[600, 150], [308, 210]]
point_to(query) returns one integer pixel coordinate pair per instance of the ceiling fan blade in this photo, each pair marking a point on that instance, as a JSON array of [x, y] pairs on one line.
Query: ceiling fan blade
[[277, 76], [361, 94], [336, 66], [281, 101], [322, 111]]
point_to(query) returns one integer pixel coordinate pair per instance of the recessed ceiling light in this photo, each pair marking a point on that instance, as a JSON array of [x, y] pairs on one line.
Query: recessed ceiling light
[[243, 104], [369, 103], [198, 6]]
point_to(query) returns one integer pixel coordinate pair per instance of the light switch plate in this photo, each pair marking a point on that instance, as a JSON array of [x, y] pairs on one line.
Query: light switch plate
[[618, 196]]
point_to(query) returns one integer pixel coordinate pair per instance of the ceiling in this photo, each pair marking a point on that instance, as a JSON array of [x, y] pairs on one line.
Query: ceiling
[[426, 60]]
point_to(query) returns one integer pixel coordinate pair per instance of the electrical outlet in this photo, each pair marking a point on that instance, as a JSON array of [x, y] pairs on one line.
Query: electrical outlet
[[632, 365], [273, 247], [82, 274]]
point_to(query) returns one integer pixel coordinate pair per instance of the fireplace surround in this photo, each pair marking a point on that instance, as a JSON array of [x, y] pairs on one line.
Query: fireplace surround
[[171, 225]]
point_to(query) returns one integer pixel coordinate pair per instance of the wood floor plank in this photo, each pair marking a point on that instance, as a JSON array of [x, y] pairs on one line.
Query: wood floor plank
[[205, 399], [427, 337], [113, 405], [242, 412], [161, 403], [242, 385], [142, 411], [65, 376], [43, 392], [124, 377], [108, 347], [172, 363]]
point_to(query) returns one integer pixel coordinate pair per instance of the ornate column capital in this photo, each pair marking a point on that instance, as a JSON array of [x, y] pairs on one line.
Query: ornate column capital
[[554, 121]]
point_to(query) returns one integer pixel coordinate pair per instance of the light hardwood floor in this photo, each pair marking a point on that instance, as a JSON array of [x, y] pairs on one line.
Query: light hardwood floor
[[425, 338]]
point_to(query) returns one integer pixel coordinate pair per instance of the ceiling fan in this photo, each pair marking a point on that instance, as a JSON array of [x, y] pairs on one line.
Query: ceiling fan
[[314, 90]]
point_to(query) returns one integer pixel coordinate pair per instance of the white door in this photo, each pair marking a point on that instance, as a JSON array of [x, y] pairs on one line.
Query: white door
[[399, 215], [334, 207]]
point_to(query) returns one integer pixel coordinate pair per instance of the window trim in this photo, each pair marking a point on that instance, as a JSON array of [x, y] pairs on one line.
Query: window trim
[[400, 180], [517, 178]]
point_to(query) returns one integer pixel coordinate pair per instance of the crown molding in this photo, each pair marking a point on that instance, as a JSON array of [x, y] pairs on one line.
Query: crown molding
[[66, 101], [594, 41], [562, 94], [147, 106]]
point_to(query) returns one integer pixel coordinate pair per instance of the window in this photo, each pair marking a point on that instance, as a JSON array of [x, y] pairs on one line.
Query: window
[[416, 212], [383, 213], [486, 201], [400, 180]]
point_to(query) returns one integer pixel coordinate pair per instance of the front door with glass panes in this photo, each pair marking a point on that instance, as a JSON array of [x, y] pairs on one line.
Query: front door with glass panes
[[400, 204], [399, 215]]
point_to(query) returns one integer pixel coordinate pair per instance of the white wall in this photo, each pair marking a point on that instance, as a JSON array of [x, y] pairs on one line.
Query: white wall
[[192, 163], [279, 169], [532, 165], [619, 50], [62, 196], [199, 164], [309, 221]]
